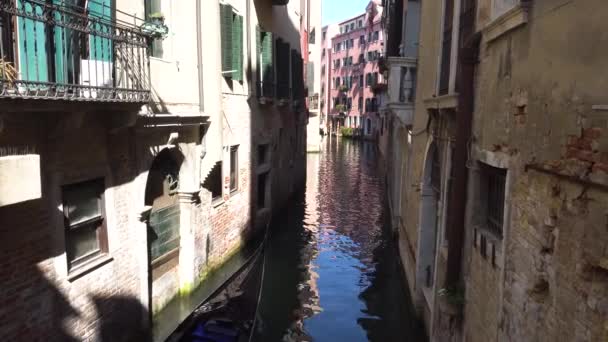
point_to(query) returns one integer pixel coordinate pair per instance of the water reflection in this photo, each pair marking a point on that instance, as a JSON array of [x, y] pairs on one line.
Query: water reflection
[[332, 273]]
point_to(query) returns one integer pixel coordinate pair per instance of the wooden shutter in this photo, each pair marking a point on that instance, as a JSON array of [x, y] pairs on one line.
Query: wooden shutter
[[237, 47], [267, 63], [283, 72], [226, 32]]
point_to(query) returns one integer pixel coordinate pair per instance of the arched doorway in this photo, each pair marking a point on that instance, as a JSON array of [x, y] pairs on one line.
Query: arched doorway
[[429, 217], [163, 226]]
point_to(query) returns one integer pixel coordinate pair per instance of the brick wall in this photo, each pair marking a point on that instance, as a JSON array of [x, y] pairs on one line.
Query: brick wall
[[38, 300]]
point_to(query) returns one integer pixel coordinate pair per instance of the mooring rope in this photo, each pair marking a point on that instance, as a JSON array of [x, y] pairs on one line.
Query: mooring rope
[[257, 306]]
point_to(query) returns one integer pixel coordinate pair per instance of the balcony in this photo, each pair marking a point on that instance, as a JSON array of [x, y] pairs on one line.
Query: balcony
[[401, 87], [56, 51]]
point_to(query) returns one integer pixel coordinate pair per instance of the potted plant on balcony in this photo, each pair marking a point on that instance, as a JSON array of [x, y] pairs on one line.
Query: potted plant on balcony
[[8, 74], [451, 300], [340, 108], [155, 26], [343, 88]]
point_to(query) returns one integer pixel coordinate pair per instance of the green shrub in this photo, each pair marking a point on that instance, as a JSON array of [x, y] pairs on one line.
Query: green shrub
[[346, 132]]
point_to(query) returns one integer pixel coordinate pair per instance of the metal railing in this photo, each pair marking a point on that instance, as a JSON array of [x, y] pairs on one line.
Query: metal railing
[[54, 50]]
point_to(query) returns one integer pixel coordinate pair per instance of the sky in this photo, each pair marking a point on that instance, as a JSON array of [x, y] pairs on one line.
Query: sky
[[335, 11]]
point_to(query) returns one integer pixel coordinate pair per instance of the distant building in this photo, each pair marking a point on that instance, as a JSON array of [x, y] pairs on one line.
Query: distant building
[[352, 72]]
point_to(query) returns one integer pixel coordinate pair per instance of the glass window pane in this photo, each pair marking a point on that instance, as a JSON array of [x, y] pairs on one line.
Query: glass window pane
[[81, 241], [82, 202]]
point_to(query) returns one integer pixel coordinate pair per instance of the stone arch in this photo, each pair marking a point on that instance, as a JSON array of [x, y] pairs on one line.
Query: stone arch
[[429, 216]]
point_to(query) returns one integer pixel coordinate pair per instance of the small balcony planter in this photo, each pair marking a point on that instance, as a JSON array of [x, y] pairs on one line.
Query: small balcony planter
[[340, 108], [155, 26], [343, 88], [451, 300], [8, 75]]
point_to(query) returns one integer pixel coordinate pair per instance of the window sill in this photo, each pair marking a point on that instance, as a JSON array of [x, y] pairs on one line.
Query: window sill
[[507, 22], [89, 267], [217, 202]]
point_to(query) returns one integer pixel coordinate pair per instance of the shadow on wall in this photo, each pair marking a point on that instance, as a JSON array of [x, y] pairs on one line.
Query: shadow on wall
[[33, 308], [278, 126]]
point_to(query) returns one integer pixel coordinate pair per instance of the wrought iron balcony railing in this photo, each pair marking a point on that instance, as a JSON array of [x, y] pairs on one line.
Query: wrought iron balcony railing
[[54, 49]]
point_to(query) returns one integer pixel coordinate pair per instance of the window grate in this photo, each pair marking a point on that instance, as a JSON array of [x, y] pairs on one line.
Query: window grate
[[495, 180]]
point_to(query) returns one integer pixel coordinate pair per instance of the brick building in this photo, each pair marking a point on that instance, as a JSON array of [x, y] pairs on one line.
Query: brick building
[[353, 72], [501, 204], [132, 160]]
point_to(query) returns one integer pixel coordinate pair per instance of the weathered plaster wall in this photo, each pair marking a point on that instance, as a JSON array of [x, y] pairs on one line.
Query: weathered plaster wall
[[535, 92], [425, 88]]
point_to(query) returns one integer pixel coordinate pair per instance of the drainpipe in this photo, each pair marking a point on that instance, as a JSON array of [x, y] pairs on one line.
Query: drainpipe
[[199, 57], [468, 58]]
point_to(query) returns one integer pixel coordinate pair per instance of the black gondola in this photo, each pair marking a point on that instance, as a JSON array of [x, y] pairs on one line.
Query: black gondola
[[229, 314]]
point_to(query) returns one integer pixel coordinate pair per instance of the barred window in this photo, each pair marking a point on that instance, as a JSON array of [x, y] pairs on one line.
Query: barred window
[[493, 187]]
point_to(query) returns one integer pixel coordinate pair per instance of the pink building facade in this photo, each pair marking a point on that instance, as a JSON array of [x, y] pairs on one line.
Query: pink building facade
[[351, 73]]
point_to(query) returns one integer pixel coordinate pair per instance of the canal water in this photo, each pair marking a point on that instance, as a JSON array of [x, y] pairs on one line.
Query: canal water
[[332, 271]]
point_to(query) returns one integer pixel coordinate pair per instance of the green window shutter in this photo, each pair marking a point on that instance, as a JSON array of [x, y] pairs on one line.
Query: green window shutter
[[237, 48], [226, 32], [267, 63]]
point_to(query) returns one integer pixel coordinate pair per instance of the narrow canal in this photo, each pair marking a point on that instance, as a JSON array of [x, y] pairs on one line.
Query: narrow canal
[[332, 270]]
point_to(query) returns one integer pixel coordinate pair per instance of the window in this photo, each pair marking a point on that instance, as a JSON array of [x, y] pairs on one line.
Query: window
[[368, 79], [349, 103], [283, 69], [367, 105], [361, 80], [351, 43], [265, 64], [352, 26], [156, 45], [446, 48], [234, 168], [360, 104], [337, 82], [262, 181], [345, 61], [232, 43], [85, 229], [350, 60], [297, 77], [500, 7], [311, 37], [376, 35], [324, 35], [360, 23], [213, 183], [493, 194]]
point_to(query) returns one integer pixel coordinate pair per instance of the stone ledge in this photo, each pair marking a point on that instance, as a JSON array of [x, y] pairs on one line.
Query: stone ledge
[[600, 107], [442, 102], [509, 21]]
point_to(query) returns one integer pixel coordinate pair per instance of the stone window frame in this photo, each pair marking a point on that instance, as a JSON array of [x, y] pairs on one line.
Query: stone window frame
[[55, 201], [98, 221], [477, 216]]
